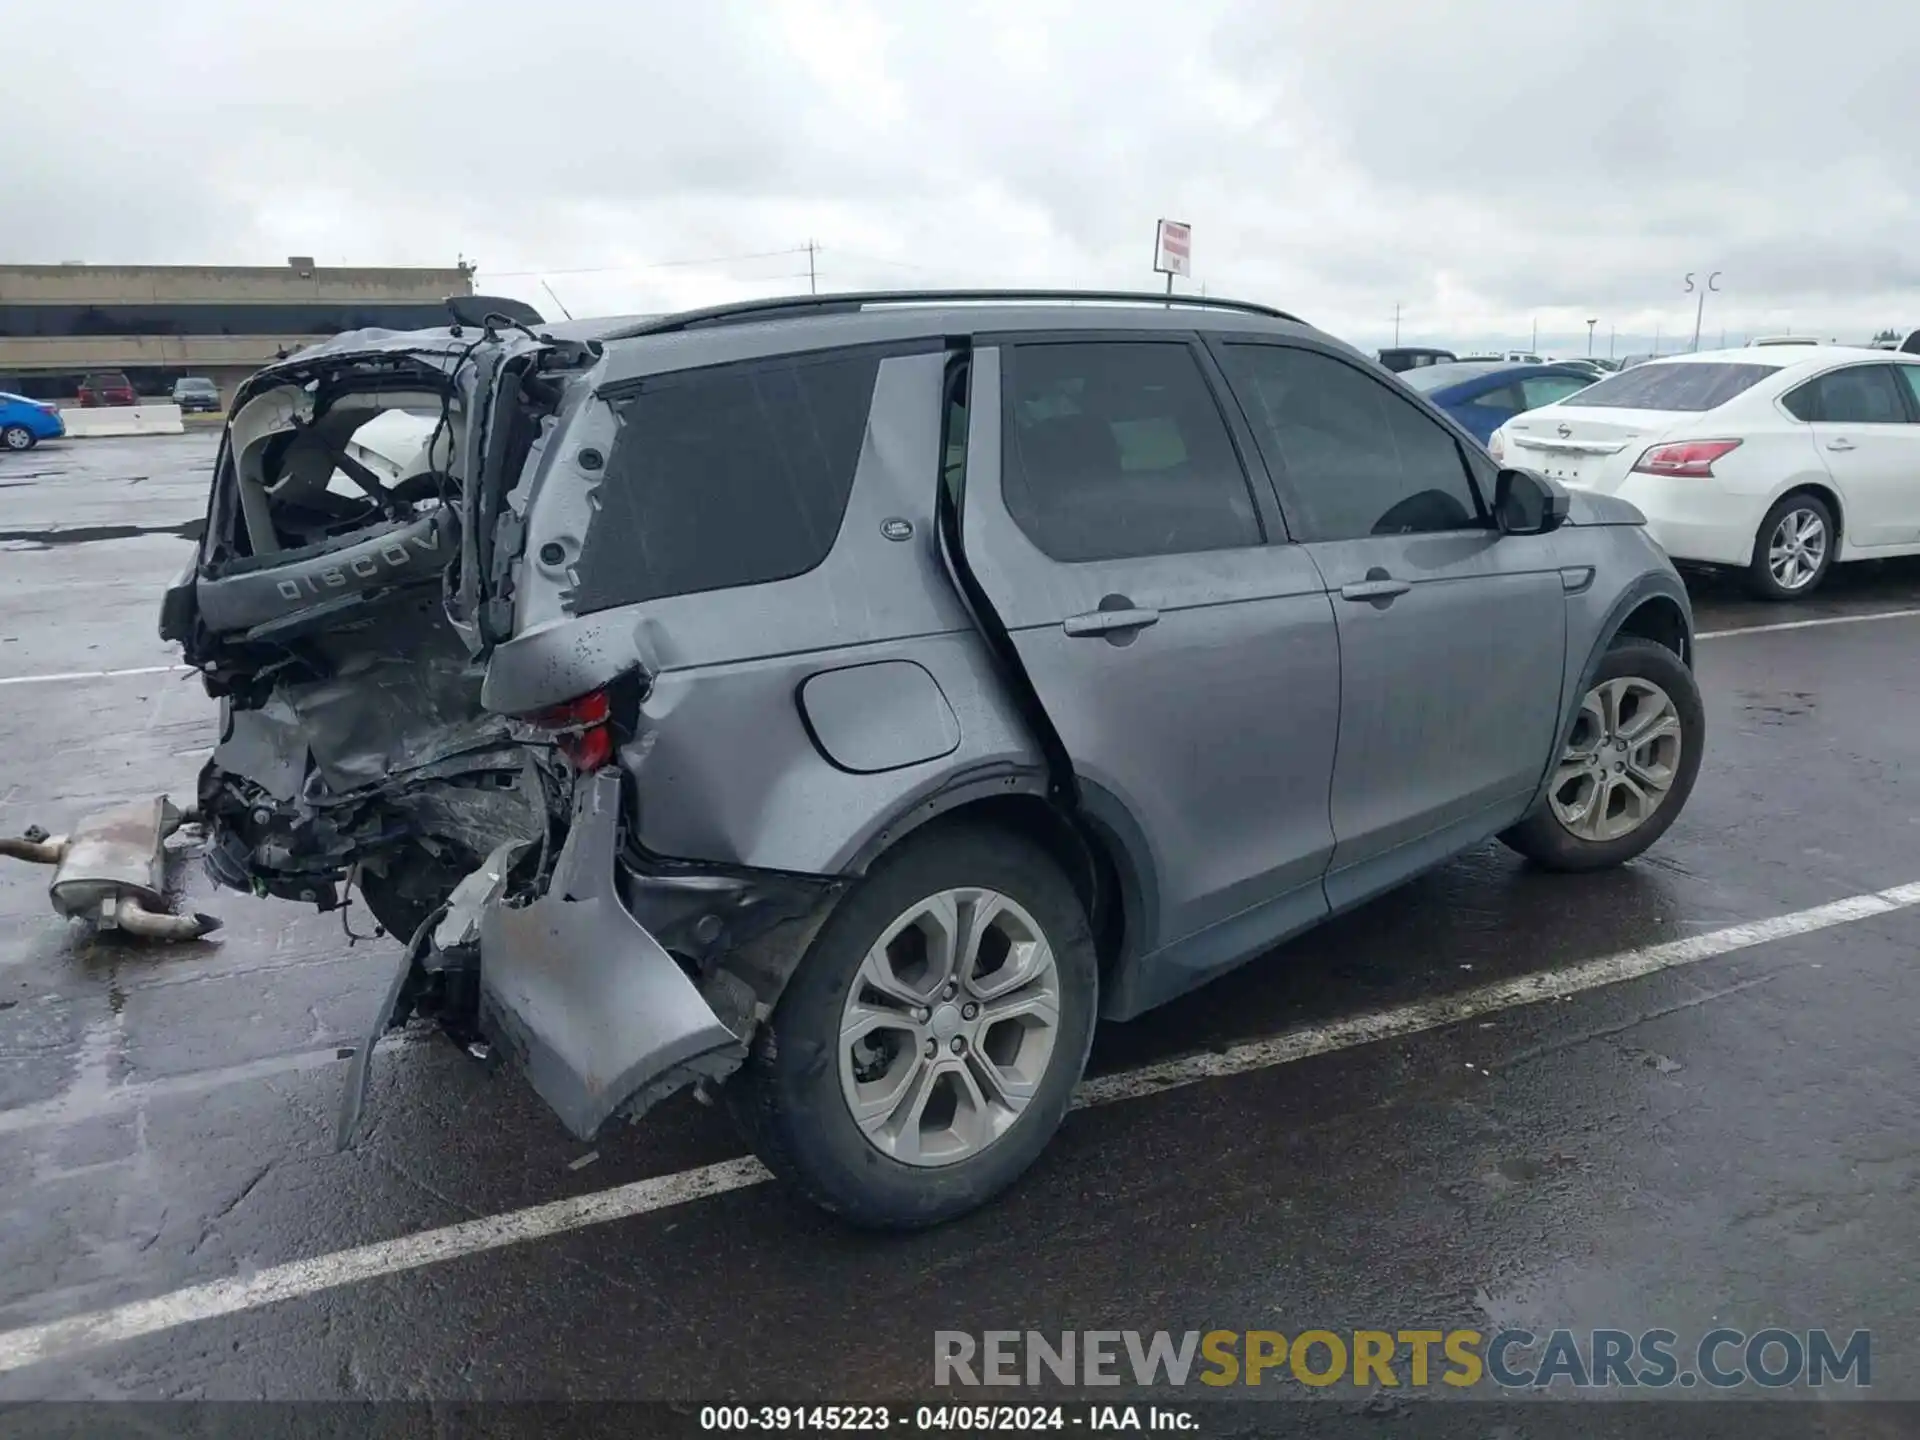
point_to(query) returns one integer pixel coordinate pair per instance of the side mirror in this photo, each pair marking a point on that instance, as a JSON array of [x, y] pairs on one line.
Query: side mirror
[[1525, 502]]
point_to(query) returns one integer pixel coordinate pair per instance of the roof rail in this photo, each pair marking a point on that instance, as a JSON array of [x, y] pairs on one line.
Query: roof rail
[[792, 306]]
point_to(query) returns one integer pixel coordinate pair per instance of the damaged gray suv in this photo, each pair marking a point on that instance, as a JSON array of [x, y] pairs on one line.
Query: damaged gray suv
[[842, 703]]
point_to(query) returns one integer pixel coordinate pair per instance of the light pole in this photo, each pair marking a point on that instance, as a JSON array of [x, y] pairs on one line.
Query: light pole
[[1699, 309], [1590, 325]]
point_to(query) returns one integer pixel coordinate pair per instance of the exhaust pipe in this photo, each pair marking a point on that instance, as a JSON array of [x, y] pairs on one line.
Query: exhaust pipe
[[129, 915], [35, 847], [111, 870]]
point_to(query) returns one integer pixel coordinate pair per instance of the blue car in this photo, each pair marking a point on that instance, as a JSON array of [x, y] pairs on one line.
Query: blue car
[[25, 423], [1482, 395]]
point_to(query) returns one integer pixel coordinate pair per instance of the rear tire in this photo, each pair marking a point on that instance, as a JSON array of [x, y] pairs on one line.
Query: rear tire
[[1794, 549], [952, 1110], [18, 438], [1638, 740]]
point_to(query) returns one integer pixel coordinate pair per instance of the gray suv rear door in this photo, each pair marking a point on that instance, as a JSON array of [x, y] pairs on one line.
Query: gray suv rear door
[[1452, 636], [1190, 668]]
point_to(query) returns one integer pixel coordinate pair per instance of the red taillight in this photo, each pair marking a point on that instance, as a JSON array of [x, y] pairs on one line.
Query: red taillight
[[1691, 458], [580, 729]]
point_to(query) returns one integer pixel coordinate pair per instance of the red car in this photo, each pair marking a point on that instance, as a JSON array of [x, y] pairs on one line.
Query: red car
[[110, 387]]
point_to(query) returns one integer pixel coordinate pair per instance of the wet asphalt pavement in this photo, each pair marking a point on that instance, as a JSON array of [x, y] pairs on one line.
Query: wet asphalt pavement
[[1734, 1142]]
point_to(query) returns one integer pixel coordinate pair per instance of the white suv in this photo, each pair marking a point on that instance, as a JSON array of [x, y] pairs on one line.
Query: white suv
[[1779, 462]]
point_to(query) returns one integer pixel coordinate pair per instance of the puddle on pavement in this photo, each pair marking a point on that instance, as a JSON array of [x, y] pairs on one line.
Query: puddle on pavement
[[88, 534]]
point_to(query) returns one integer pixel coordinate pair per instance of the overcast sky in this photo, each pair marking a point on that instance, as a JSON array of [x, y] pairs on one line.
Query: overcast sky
[[1487, 164]]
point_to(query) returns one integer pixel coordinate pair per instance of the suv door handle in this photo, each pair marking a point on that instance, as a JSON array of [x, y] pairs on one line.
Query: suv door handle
[[1840, 443], [1107, 622], [1381, 589]]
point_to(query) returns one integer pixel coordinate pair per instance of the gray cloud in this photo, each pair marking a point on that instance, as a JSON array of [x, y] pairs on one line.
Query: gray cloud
[[1488, 164]]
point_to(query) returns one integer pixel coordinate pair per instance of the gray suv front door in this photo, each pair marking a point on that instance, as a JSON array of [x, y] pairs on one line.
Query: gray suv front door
[[1452, 635], [1190, 668]]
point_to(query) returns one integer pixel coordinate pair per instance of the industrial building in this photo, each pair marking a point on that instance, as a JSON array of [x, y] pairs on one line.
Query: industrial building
[[160, 323]]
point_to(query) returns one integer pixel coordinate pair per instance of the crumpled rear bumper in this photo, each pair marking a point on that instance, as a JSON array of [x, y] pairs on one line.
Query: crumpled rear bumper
[[600, 1015], [578, 985]]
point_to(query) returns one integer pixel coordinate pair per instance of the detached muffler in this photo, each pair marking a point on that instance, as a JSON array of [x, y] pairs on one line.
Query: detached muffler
[[112, 870]]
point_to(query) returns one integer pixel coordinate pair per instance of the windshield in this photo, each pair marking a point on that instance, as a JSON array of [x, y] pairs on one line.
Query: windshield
[[1671, 387], [206, 385]]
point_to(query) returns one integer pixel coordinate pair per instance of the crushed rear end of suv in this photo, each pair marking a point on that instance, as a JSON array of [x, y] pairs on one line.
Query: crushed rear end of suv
[[843, 703]]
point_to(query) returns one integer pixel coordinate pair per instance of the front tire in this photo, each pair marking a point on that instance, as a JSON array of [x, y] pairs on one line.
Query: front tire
[[18, 438], [929, 1044], [1794, 548], [1628, 766]]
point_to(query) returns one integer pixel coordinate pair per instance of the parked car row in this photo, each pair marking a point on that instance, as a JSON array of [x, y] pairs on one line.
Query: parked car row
[[104, 389], [1777, 460], [25, 422], [1403, 358]]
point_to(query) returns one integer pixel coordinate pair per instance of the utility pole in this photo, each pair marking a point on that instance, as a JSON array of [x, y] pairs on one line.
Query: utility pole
[[1699, 309], [813, 284], [1590, 324], [1534, 348], [1396, 324], [1611, 330]]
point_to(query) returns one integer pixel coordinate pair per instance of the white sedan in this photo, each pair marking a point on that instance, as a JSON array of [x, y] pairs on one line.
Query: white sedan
[[1780, 461]]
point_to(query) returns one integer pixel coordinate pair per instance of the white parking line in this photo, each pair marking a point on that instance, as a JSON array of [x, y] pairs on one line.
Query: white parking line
[[59, 1339], [93, 674], [1809, 624], [1422, 1015]]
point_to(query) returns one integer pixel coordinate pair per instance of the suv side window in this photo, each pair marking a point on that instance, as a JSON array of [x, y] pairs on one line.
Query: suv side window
[[1355, 458], [1857, 395], [1117, 449], [733, 475]]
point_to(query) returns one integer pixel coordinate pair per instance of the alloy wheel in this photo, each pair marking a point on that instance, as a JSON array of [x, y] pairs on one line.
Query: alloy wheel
[[949, 1026], [18, 437], [1796, 549], [1620, 761]]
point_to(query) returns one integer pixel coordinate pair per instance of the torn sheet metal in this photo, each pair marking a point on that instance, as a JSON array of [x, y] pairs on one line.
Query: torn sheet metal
[[112, 871]]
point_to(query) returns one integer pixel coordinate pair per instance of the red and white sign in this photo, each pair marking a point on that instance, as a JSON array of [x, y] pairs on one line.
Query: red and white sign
[[1173, 248]]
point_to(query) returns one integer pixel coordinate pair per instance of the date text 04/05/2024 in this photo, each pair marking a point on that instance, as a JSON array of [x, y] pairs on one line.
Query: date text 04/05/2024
[[945, 1419]]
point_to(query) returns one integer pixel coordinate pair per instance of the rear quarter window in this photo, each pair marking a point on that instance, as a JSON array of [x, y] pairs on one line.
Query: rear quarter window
[[735, 475], [1671, 387]]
